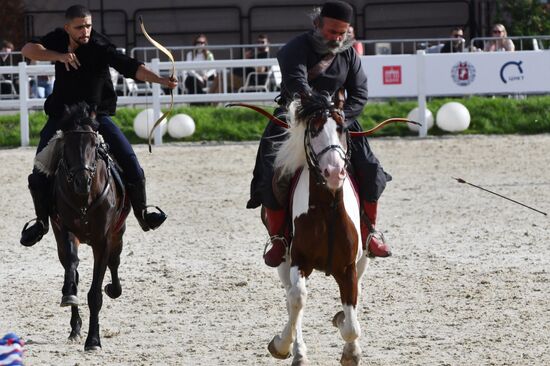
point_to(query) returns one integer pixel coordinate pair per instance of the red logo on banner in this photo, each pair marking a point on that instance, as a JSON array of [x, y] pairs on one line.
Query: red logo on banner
[[391, 74]]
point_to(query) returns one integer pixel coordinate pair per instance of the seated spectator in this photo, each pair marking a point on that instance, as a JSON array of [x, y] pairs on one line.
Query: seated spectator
[[238, 75], [42, 85], [502, 43], [6, 60], [196, 81], [7, 48], [457, 45], [357, 46]]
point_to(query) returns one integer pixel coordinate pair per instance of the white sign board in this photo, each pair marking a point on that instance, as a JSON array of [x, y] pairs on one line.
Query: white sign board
[[391, 75]]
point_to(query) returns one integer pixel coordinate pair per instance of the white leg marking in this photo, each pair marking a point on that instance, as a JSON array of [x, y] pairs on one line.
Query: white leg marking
[[350, 329], [352, 209], [296, 299]]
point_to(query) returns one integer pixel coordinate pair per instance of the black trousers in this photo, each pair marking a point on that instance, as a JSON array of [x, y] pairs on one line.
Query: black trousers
[[370, 175]]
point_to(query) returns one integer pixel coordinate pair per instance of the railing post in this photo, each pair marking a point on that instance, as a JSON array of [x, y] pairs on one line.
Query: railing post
[[421, 88], [23, 103], [156, 102]]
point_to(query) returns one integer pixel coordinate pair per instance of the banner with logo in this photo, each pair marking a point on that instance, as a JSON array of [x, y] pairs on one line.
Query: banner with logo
[[488, 72], [459, 73], [391, 75]]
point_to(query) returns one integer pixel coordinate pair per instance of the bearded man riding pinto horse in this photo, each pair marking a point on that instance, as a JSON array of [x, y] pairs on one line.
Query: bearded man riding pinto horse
[[82, 59], [321, 60]]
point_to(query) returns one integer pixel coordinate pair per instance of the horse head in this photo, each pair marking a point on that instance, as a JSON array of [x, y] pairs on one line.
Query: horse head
[[325, 137], [80, 147]]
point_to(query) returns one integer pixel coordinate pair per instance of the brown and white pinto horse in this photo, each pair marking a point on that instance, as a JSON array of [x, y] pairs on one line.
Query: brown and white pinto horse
[[89, 207], [326, 223]]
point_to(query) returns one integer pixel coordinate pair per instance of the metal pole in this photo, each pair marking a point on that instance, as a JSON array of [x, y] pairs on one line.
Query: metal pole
[[421, 89]]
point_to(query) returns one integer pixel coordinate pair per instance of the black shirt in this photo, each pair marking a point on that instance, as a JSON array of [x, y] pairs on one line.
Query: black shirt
[[91, 82], [298, 56]]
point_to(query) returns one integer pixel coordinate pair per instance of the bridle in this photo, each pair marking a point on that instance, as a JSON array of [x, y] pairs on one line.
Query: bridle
[[70, 172], [313, 157]]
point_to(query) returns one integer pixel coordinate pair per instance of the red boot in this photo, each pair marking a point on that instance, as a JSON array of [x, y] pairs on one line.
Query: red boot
[[276, 227], [377, 246]]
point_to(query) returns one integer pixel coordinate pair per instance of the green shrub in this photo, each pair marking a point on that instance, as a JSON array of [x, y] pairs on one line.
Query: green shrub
[[497, 115]]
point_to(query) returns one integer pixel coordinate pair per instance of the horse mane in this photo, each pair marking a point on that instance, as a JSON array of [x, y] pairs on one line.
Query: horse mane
[[291, 155], [78, 115]]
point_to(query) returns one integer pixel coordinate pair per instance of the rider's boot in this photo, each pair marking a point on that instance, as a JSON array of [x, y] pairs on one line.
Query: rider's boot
[[377, 246], [147, 220], [276, 227], [32, 234]]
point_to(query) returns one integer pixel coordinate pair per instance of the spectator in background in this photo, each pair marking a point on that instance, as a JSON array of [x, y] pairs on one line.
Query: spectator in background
[[357, 46], [7, 48], [196, 81], [262, 51], [502, 43], [457, 45], [42, 85], [8, 81]]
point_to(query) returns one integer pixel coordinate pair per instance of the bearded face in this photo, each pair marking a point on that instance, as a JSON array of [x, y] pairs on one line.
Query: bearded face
[[331, 36]]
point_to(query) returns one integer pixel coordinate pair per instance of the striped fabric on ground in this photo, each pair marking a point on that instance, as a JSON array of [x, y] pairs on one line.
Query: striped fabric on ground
[[11, 350]]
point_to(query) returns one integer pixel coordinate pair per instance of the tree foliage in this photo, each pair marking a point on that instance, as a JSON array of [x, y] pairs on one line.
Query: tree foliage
[[12, 20], [523, 17]]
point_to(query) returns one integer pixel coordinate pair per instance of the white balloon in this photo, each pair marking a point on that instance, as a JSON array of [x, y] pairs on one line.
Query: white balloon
[[414, 115], [181, 125], [453, 117], [144, 122]]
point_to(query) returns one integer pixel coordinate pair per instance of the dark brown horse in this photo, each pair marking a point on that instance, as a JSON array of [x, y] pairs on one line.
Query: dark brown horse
[[89, 207], [326, 223]]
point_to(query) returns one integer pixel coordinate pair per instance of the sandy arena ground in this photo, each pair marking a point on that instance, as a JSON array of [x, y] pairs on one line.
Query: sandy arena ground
[[468, 283]]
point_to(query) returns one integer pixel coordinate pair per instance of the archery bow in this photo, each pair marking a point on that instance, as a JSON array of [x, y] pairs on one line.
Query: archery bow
[[172, 75]]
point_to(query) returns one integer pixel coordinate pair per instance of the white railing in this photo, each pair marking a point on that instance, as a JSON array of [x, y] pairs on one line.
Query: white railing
[[390, 76]]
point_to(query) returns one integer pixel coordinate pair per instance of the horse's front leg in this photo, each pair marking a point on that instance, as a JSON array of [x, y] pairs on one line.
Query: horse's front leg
[[113, 289], [296, 296], [95, 297], [67, 251], [346, 320]]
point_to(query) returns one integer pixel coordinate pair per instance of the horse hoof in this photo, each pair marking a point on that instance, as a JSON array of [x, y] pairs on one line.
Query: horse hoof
[[300, 362], [110, 291], [92, 348], [338, 319], [74, 338], [92, 344], [271, 348], [350, 360], [69, 300]]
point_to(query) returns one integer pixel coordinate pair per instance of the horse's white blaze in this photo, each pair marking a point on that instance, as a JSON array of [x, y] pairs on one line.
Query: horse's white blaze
[[331, 162], [350, 329], [352, 209]]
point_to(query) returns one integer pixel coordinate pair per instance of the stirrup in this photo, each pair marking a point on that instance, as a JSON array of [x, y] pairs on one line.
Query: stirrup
[[275, 258], [270, 241], [375, 234], [43, 231], [144, 211], [159, 218]]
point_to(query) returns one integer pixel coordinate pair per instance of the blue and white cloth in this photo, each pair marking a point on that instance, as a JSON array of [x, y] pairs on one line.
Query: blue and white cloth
[[11, 350]]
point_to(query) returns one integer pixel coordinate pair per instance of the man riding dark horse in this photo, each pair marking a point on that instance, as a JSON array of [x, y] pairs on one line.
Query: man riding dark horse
[[82, 59], [322, 60]]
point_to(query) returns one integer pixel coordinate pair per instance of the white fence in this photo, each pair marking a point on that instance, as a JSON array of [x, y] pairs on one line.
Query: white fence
[[390, 76]]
